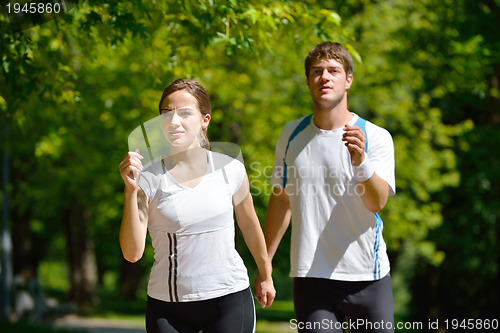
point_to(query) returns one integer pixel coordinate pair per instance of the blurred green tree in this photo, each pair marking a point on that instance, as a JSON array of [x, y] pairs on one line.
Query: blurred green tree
[[73, 88]]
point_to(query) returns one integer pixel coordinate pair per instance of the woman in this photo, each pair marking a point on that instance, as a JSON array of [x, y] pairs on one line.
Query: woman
[[186, 199]]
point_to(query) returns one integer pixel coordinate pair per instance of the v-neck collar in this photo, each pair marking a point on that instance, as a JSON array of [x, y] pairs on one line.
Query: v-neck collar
[[210, 168]]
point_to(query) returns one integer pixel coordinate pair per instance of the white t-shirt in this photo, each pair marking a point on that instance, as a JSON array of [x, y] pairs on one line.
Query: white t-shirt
[[192, 232], [334, 236]]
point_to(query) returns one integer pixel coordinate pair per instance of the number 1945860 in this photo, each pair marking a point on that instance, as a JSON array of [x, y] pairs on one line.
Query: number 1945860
[[471, 324], [33, 8]]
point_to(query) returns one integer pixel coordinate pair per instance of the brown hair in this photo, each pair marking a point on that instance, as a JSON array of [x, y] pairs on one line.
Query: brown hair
[[198, 92], [329, 50]]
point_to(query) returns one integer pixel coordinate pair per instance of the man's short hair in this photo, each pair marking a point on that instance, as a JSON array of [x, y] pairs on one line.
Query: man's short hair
[[329, 50]]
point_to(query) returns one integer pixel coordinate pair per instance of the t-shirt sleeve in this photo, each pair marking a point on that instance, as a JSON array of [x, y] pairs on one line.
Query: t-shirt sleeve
[[149, 179], [381, 154], [236, 173]]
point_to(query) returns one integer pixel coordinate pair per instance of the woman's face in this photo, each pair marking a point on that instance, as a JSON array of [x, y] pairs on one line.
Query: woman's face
[[182, 121]]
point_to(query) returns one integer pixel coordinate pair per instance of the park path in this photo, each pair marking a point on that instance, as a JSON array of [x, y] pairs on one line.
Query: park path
[[97, 325]]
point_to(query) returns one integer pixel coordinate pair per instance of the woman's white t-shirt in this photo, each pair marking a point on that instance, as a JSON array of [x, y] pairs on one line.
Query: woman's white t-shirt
[[192, 232]]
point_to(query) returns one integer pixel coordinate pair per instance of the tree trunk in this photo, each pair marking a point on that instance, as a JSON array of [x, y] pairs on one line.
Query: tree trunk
[[130, 279], [23, 256], [81, 256]]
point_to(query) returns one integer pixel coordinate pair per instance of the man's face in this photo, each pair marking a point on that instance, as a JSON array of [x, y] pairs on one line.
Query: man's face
[[328, 82]]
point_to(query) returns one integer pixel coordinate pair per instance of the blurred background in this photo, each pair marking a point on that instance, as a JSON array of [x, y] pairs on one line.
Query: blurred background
[[72, 90]]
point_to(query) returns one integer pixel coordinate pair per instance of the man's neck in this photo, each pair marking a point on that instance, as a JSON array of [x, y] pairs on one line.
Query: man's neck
[[331, 118]]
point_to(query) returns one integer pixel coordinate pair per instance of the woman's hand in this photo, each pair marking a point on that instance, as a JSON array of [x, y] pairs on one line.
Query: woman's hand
[[265, 292], [130, 168]]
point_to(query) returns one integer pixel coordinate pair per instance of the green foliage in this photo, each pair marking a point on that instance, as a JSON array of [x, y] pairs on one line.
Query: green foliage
[[468, 92], [73, 88], [53, 275], [432, 80]]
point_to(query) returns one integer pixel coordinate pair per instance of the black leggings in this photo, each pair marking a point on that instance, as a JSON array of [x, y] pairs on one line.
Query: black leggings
[[233, 313], [321, 305]]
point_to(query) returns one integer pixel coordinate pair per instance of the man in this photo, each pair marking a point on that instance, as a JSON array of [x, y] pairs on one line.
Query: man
[[333, 172]]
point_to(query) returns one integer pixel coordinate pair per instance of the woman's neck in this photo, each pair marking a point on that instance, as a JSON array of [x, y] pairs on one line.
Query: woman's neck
[[187, 167], [189, 156]]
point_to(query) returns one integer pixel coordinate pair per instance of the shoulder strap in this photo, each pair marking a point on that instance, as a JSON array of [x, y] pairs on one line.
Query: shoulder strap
[[300, 127], [362, 124], [216, 164]]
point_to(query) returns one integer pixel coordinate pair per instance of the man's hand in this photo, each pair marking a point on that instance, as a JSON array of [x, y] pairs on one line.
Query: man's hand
[[265, 292], [355, 141]]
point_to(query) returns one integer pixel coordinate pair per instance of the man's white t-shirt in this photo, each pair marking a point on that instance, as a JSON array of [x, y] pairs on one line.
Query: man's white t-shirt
[[192, 232], [334, 236]]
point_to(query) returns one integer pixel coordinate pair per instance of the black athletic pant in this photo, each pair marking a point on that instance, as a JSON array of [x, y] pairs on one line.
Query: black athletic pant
[[323, 305], [233, 313]]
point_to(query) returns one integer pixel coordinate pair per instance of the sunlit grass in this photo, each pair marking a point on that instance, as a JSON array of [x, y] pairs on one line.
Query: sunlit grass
[[264, 326], [129, 320], [279, 311], [275, 319], [131, 313]]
